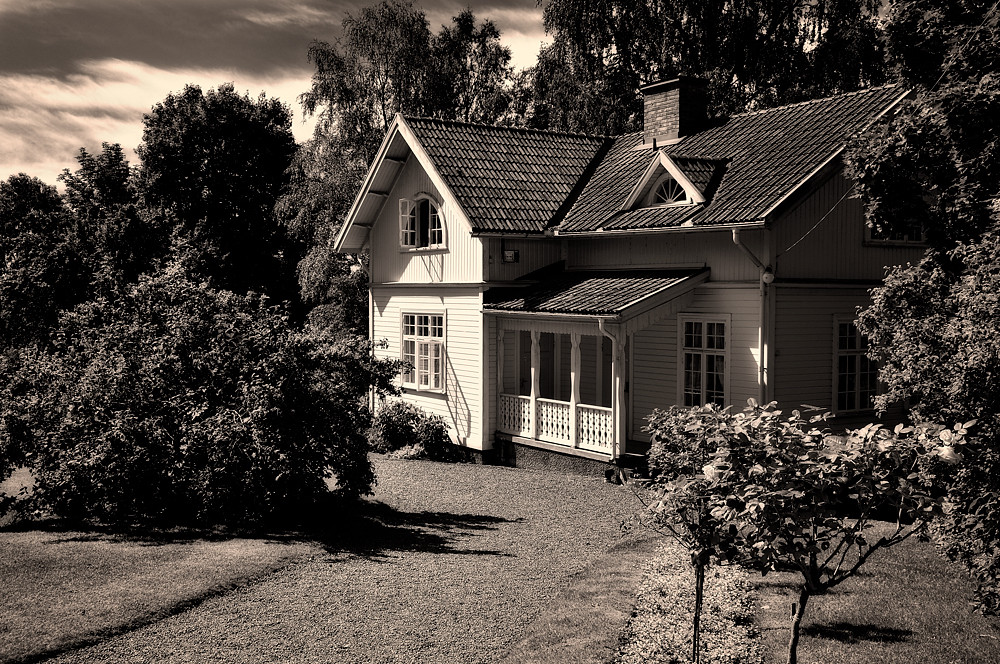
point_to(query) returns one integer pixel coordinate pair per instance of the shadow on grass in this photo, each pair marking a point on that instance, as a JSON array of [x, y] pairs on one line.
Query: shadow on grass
[[845, 632], [374, 529]]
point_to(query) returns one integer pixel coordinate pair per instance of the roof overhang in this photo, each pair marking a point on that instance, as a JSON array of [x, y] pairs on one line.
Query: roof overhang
[[399, 145], [637, 310]]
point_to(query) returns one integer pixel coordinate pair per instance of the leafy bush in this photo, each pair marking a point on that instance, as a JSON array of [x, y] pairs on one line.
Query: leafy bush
[[777, 491], [180, 404], [406, 430]]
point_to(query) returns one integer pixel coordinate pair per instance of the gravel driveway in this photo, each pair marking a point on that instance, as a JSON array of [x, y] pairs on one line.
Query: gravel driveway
[[450, 564]]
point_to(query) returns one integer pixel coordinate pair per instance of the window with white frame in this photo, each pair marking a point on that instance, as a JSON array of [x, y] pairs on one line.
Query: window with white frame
[[667, 191], [420, 224], [423, 351], [703, 357], [855, 375]]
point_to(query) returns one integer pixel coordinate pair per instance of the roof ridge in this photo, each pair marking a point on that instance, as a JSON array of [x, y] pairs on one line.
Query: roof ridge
[[526, 130], [815, 101]]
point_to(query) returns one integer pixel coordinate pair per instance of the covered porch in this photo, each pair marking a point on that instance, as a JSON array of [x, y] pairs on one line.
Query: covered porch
[[563, 353]]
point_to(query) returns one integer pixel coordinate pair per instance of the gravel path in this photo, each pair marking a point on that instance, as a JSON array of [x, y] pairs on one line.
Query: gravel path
[[450, 565]]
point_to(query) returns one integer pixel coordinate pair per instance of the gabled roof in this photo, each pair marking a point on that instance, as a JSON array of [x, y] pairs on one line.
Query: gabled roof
[[553, 290], [767, 155], [507, 179], [512, 180]]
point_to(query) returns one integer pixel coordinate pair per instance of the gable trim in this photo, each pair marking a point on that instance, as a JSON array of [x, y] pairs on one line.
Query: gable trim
[[400, 127], [661, 159]]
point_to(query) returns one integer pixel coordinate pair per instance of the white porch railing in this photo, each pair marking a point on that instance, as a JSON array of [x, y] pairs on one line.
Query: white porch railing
[[515, 415], [595, 428], [552, 421], [595, 425]]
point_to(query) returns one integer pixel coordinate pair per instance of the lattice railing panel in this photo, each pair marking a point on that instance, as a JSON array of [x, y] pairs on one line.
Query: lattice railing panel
[[553, 421], [595, 428], [515, 415]]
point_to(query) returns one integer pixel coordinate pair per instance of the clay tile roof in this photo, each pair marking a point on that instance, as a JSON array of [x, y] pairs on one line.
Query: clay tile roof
[[508, 179], [592, 293], [765, 155]]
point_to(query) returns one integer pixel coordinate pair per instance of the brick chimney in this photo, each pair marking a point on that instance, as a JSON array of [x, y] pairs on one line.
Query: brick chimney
[[673, 109]]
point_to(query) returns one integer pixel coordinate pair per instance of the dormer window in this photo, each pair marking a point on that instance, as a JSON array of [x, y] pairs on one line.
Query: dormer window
[[667, 191], [420, 224]]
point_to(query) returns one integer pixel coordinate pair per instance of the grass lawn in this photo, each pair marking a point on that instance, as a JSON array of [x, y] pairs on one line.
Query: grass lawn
[[67, 589], [909, 605], [62, 590]]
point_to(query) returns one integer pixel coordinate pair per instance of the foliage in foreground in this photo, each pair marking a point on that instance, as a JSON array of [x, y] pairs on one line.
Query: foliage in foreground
[[933, 169], [180, 404], [783, 493], [405, 430]]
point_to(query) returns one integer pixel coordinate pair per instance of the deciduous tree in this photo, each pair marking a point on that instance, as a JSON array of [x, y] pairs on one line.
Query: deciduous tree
[[213, 166]]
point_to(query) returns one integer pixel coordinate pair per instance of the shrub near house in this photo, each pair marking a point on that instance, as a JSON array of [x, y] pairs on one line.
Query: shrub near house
[[180, 404]]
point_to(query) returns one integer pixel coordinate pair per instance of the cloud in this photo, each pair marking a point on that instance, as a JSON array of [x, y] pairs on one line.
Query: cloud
[[45, 121], [74, 73]]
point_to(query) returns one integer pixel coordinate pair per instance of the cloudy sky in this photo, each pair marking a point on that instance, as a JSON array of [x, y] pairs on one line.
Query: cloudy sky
[[74, 73]]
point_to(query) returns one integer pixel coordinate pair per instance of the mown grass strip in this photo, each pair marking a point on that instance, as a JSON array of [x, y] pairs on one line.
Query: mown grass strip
[[65, 590], [908, 605]]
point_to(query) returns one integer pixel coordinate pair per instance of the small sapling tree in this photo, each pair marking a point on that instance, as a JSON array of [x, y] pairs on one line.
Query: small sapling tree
[[805, 500], [685, 488]]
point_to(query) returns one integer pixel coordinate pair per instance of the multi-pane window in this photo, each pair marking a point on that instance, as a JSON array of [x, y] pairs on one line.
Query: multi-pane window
[[423, 351], [902, 233], [856, 375], [703, 362], [420, 225]]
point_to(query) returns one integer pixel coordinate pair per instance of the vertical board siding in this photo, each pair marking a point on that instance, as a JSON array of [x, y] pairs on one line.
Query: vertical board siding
[[532, 255], [654, 371], [836, 248], [461, 262], [804, 360], [461, 405], [664, 250]]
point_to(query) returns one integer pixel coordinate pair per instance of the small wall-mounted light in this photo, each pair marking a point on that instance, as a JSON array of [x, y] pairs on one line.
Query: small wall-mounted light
[[511, 256], [767, 276]]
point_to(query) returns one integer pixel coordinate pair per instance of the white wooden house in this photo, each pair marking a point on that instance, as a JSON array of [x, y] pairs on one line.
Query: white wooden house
[[551, 290]]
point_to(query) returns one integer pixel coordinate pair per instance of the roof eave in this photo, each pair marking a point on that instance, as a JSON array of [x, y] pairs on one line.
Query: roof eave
[[756, 223]]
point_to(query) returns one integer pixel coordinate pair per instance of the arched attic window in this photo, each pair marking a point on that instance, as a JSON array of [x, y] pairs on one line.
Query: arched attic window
[[420, 223], [667, 191]]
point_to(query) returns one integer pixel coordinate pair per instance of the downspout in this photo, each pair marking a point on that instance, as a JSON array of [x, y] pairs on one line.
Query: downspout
[[766, 277]]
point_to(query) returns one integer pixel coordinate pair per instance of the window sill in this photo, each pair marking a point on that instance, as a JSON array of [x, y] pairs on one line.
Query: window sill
[[409, 389], [894, 244], [423, 250]]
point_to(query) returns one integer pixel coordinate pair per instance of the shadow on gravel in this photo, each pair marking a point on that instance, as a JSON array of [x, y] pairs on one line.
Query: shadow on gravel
[[850, 633], [375, 529]]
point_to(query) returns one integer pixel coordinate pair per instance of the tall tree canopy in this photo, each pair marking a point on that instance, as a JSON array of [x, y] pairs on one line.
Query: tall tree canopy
[[935, 166], [388, 62], [120, 240], [213, 166], [755, 54], [42, 268]]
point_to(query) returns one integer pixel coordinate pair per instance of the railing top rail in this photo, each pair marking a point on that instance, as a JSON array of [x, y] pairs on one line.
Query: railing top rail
[[605, 409], [553, 401]]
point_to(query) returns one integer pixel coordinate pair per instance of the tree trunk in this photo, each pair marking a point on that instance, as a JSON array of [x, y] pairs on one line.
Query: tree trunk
[[699, 592], [797, 612]]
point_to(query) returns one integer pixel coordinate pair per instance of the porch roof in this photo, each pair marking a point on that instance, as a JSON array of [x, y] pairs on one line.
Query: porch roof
[[618, 293]]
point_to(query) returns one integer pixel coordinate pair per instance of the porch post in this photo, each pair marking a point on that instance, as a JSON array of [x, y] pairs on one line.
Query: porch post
[[618, 411], [536, 360], [499, 362], [557, 366], [574, 390]]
